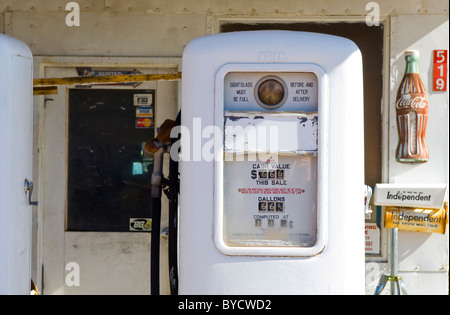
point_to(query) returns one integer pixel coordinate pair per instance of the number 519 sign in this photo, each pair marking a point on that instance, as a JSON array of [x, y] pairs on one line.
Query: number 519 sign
[[440, 70]]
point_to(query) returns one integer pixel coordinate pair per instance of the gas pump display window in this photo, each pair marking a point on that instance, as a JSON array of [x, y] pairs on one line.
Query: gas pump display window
[[270, 183], [271, 203]]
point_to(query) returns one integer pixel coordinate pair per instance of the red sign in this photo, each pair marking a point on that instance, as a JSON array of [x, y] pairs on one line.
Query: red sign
[[440, 70], [143, 122]]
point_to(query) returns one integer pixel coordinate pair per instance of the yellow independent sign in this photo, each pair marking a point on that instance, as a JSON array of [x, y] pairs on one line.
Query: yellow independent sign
[[417, 219]]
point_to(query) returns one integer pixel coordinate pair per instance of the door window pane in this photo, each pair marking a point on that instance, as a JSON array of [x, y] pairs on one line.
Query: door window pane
[[109, 174]]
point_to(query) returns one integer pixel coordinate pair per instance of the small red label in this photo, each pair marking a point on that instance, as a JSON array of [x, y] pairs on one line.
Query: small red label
[[143, 123], [440, 70]]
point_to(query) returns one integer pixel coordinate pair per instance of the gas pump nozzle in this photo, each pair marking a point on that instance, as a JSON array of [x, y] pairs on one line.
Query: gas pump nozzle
[[157, 147], [156, 215], [157, 174]]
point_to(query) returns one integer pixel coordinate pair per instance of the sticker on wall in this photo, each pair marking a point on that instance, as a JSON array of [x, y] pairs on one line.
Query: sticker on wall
[[143, 99], [93, 72], [440, 70], [372, 239], [140, 224], [142, 123], [144, 111], [417, 219]]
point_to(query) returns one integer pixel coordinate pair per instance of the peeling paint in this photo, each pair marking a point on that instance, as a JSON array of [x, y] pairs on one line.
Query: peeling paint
[[297, 132], [235, 118]]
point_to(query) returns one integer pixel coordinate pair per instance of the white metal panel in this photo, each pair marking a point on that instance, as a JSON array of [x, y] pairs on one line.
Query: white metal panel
[[421, 255], [433, 35], [339, 268], [16, 91]]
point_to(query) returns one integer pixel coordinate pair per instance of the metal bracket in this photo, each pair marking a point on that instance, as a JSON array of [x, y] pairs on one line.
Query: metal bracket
[[401, 288], [367, 197], [28, 187], [165, 233], [397, 285]]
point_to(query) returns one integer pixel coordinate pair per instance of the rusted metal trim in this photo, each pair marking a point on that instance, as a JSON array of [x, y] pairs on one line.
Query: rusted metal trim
[[49, 86], [45, 90]]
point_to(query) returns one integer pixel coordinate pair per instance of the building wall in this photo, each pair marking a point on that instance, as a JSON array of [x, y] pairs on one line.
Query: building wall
[[157, 28]]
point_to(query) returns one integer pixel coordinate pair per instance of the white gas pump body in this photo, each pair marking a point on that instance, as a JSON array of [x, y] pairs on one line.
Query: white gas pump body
[[315, 243], [16, 114]]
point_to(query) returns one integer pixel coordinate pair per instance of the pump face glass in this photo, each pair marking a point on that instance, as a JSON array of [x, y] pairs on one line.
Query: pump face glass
[[271, 203], [270, 159], [271, 92]]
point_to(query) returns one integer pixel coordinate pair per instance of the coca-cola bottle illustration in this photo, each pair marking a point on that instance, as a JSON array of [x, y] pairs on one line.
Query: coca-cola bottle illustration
[[412, 113]]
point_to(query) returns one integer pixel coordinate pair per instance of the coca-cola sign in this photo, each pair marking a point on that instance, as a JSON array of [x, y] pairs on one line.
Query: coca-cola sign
[[417, 102], [412, 113]]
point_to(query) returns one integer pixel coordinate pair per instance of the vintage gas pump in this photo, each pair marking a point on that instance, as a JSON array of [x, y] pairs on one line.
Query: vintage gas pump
[[16, 114], [272, 185]]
